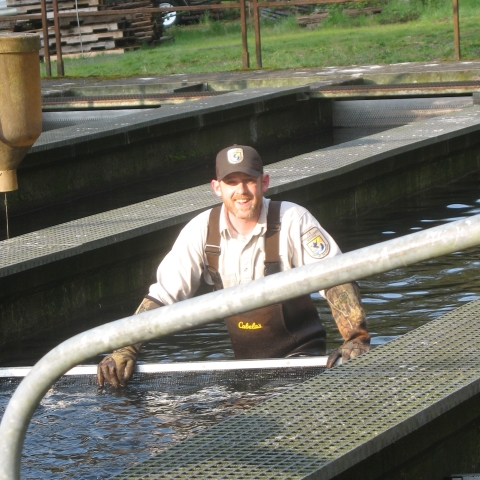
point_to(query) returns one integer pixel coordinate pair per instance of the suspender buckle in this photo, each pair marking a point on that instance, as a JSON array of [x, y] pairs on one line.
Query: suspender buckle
[[212, 250]]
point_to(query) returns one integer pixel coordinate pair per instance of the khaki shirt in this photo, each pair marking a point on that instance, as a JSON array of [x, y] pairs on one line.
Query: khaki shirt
[[302, 241]]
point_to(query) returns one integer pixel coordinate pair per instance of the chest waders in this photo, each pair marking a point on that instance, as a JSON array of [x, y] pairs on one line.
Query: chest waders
[[286, 329]]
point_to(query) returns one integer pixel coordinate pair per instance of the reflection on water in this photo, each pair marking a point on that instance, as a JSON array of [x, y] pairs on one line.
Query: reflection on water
[[95, 433], [405, 298]]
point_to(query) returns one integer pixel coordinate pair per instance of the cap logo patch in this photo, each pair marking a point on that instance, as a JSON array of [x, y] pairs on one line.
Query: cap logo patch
[[235, 155], [315, 243]]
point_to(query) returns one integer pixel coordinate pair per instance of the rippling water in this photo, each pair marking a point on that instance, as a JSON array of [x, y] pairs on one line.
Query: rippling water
[[406, 298], [90, 433]]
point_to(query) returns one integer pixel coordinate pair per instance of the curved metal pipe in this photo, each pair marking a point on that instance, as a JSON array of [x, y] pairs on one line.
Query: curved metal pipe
[[350, 266], [20, 102]]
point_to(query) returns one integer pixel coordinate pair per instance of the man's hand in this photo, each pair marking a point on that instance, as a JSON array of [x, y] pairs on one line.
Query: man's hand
[[117, 368], [348, 350]]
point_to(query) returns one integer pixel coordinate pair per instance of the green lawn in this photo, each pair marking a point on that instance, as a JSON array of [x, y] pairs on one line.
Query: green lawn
[[411, 35]]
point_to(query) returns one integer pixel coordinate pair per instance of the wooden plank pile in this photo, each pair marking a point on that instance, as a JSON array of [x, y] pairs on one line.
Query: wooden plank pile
[[139, 27], [282, 12], [91, 32], [319, 15], [313, 19], [356, 12], [7, 24]]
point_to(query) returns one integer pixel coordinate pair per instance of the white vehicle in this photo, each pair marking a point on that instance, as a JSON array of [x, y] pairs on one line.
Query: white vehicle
[[174, 18]]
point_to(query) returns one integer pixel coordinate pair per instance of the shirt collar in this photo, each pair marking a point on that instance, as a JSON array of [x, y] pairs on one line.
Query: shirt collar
[[259, 229]]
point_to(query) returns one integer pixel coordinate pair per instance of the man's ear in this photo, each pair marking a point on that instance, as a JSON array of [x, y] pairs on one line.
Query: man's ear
[[265, 182], [215, 184]]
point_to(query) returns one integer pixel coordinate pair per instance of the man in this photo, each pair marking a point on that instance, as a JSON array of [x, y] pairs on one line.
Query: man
[[247, 238]]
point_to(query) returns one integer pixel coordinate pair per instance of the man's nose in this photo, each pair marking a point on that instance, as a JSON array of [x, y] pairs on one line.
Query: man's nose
[[241, 187]]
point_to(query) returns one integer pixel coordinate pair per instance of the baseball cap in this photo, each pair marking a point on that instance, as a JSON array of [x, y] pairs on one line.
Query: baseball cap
[[238, 158]]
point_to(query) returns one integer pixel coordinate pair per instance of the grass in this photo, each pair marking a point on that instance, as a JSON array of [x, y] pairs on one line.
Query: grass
[[405, 31]]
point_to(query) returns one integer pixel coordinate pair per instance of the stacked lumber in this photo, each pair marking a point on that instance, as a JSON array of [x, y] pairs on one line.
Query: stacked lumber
[[277, 13], [139, 28], [33, 6], [7, 24], [312, 19], [84, 38], [91, 32], [356, 12], [318, 16]]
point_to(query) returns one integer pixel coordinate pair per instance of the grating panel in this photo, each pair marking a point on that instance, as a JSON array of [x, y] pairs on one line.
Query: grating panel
[[153, 117], [396, 87], [333, 161], [180, 382], [138, 97], [392, 113], [333, 421], [66, 103], [55, 120], [73, 238]]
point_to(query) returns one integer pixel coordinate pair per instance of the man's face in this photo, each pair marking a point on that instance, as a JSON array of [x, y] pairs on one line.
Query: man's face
[[242, 194]]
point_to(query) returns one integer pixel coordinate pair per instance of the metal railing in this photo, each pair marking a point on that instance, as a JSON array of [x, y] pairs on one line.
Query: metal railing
[[197, 311], [241, 5]]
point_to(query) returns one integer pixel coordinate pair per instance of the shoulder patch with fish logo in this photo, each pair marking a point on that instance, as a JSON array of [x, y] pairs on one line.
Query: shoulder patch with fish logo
[[315, 243]]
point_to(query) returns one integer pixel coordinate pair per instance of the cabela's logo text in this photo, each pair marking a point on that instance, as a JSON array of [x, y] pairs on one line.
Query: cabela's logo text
[[249, 326]]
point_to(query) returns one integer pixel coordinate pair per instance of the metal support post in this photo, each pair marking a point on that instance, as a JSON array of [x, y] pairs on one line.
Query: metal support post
[[243, 22], [456, 29], [256, 23], [417, 247], [46, 43], [58, 40]]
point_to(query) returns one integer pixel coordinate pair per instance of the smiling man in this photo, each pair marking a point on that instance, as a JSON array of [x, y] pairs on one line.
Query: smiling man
[[246, 238]]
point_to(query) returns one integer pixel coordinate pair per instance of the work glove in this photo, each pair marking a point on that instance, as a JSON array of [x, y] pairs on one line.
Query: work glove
[[347, 310], [347, 351], [117, 368]]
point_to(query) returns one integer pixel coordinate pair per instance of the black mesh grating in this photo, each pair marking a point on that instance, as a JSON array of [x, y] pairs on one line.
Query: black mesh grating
[[178, 382], [308, 429]]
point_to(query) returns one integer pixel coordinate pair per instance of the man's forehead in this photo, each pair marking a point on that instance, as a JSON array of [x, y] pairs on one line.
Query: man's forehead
[[239, 176]]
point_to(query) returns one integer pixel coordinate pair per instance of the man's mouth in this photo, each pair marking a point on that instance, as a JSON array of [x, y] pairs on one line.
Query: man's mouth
[[242, 200]]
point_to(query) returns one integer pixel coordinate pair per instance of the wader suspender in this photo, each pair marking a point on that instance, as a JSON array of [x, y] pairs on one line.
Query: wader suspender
[[272, 243], [283, 329]]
